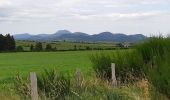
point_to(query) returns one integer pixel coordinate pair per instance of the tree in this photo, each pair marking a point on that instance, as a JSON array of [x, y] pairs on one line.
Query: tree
[[19, 48], [31, 47], [9, 43], [48, 47], [38, 46], [88, 48], [120, 45], [13, 44], [2, 42], [75, 47]]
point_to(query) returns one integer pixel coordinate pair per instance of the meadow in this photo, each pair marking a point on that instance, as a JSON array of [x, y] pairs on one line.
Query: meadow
[[68, 45], [25, 62], [137, 73]]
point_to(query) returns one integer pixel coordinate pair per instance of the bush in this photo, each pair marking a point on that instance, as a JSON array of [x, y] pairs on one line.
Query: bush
[[156, 46], [19, 48], [150, 59], [128, 65], [156, 54], [102, 65]]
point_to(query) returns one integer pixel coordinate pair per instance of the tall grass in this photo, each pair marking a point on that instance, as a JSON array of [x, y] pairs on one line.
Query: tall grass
[[154, 47], [150, 60], [53, 86], [156, 54], [128, 65]]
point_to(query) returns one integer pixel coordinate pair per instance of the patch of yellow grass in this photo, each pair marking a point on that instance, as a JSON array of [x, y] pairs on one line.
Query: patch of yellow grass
[[144, 85], [4, 96]]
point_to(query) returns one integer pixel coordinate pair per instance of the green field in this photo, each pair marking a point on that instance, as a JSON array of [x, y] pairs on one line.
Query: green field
[[25, 62], [13, 63], [66, 45]]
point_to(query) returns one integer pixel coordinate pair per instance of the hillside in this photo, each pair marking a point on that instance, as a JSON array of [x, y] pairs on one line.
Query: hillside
[[79, 36]]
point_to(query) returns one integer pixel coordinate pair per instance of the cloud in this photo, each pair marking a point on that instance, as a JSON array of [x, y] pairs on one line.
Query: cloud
[[83, 9], [73, 13], [122, 16]]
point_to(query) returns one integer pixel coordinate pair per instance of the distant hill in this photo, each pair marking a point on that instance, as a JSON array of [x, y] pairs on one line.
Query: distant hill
[[79, 36]]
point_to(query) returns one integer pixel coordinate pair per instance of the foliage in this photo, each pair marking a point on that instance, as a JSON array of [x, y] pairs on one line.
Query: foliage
[[156, 54], [38, 46], [7, 43], [54, 86], [69, 46], [150, 59], [19, 48], [128, 65], [155, 46], [31, 47], [22, 87], [48, 47]]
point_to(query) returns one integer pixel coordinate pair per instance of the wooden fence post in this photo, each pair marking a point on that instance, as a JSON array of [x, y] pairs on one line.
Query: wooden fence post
[[34, 92], [78, 76], [114, 81]]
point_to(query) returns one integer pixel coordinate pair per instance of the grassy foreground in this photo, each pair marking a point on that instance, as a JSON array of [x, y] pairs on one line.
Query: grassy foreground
[[12, 63], [24, 62]]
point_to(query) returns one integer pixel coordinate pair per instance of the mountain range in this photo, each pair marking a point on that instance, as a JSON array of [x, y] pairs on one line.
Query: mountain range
[[80, 36]]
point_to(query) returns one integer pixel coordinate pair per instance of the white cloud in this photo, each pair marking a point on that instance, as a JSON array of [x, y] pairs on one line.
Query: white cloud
[[70, 11], [66, 8]]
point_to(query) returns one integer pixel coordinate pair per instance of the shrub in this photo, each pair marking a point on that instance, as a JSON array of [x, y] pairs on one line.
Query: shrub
[[155, 46], [150, 59], [19, 48], [156, 54], [128, 65], [102, 65]]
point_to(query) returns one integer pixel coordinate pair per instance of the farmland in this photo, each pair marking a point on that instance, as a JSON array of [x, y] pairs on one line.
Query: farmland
[[12, 63], [131, 68], [68, 45]]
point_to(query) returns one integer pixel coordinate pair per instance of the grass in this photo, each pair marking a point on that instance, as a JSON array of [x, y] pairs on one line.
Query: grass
[[149, 60], [54, 86], [12, 63], [24, 62]]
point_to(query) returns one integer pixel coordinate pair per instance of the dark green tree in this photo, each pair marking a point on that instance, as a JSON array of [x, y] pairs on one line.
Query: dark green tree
[[31, 47], [75, 47], [2, 42], [19, 48], [38, 46], [48, 47], [9, 43]]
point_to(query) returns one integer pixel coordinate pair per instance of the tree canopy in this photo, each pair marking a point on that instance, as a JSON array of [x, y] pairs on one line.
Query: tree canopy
[[7, 43]]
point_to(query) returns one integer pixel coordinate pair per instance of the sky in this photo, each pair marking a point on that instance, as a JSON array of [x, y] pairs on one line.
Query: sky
[[146, 17]]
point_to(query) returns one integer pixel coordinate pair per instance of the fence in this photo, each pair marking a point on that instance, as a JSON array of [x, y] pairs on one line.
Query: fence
[[33, 78]]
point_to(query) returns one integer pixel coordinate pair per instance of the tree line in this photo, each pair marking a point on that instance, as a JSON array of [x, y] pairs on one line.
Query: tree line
[[39, 47], [7, 43]]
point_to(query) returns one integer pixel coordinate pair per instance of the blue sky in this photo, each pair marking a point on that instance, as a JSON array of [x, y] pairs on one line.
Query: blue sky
[[91, 16]]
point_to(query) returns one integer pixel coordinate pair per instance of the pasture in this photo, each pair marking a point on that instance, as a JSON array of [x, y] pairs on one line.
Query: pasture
[[23, 63], [70, 46]]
